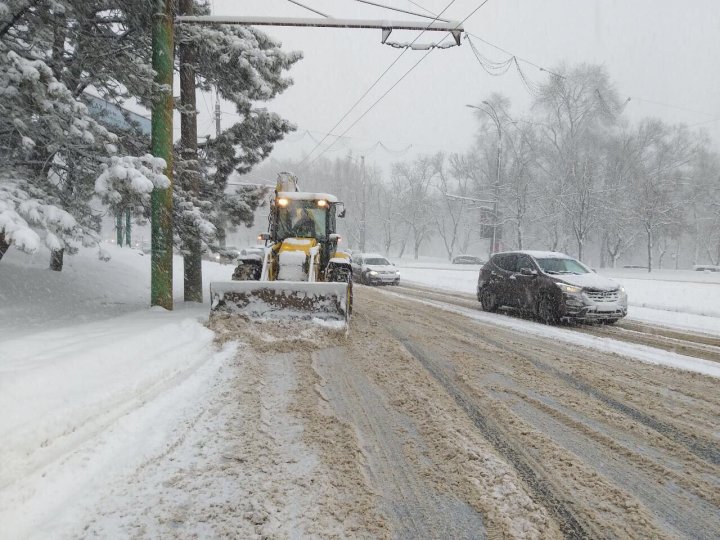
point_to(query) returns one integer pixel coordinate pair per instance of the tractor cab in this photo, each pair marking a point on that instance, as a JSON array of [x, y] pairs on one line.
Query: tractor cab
[[303, 215]]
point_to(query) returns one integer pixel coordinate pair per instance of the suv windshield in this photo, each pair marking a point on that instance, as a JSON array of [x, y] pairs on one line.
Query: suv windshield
[[377, 262], [561, 266]]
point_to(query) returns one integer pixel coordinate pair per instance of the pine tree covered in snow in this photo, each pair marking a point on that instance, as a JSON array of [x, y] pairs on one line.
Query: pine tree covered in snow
[[53, 150], [246, 66], [51, 52]]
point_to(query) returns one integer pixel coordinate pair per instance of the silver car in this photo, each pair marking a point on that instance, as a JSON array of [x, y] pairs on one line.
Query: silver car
[[374, 269]]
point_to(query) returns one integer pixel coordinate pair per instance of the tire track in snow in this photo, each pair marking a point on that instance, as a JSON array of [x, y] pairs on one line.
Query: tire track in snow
[[569, 524], [702, 346], [703, 448]]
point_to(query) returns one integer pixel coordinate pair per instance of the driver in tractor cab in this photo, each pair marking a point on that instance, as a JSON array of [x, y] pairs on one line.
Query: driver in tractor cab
[[304, 224]]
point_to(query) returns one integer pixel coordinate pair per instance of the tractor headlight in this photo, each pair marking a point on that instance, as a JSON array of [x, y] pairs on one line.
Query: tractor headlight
[[322, 203], [283, 202], [570, 289]]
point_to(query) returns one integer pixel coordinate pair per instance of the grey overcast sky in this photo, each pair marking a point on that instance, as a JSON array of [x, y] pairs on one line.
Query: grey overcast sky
[[661, 53]]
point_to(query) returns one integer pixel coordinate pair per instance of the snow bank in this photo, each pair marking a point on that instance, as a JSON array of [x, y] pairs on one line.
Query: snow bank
[[91, 379], [643, 353], [682, 299]]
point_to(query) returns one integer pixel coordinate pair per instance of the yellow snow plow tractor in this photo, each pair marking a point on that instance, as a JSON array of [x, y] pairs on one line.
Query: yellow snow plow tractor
[[301, 274]]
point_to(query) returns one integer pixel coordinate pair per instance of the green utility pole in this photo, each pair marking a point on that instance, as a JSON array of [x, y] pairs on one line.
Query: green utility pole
[[161, 287], [128, 229], [192, 258]]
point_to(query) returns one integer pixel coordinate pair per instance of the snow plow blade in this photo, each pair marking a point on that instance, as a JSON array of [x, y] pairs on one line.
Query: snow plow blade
[[261, 300]]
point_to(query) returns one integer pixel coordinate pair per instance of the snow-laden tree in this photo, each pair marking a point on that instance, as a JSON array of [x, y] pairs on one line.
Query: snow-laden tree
[[453, 203], [53, 150], [104, 46], [49, 145], [578, 108], [659, 180], [416, 210], [703, 212], [246, 67]]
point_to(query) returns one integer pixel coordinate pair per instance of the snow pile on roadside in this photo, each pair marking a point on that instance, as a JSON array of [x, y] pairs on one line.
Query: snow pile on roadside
[[670, 298], [33, 298], [643, 353], [83, 401]]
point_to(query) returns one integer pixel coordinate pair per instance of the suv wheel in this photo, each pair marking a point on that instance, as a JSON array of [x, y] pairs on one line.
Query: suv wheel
[[547, 310], [488, 300]]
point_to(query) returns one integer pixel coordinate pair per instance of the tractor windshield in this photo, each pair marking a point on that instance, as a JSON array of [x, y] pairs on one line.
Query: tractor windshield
[[302, 219]]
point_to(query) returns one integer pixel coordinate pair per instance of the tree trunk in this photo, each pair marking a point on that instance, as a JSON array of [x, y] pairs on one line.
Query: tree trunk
[[192, 261], [581, 245], [128, 228], [519, 236], [649, 250], [56, 260], [192, 266], [4, 245], [402, 248], [603, 252]]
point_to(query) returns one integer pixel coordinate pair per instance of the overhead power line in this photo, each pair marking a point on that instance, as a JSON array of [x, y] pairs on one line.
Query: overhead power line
[[421, 7], [373, 85], [416, 64], [391, 8], [674, 106], [519, 58], [308, 8]]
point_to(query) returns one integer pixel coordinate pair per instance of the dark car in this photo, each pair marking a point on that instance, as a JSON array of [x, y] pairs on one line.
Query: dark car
[[467, 259], [551, 286]]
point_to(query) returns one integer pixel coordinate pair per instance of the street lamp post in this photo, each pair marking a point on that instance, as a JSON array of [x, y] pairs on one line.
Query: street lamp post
[[492, 113]]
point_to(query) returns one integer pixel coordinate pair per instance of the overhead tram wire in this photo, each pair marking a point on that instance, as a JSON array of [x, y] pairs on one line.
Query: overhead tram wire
[[504, 66], [391, 8], [374, 84], [634, 98], [421, 7], [416, 64], [309, 8], [519, 58]]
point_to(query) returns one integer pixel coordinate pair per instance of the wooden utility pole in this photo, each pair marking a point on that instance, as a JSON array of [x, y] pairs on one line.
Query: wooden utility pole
[[192, 259], [161, 264]]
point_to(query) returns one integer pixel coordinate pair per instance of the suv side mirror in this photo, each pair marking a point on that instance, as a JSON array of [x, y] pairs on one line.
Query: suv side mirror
[[334, 237], [264, 237], [528, 272]]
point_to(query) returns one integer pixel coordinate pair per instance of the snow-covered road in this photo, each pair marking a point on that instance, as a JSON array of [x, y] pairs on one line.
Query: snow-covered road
[[427, 419]]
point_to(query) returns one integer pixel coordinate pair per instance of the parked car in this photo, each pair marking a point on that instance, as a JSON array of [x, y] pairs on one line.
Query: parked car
[[467, 259], [551, 286], [706, 268], [373, 269]]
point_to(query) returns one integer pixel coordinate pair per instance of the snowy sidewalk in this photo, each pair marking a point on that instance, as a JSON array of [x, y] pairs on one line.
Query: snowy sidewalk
[[84, 402]]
